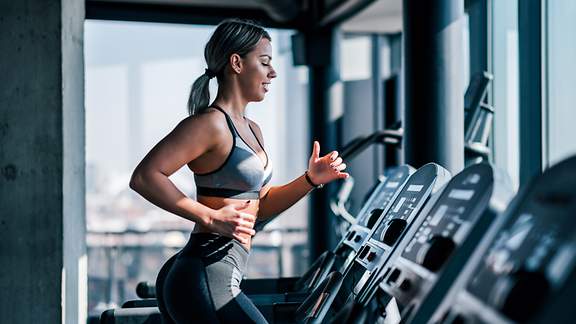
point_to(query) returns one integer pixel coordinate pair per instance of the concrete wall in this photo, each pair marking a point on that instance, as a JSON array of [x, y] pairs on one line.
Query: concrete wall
[[42, 222]]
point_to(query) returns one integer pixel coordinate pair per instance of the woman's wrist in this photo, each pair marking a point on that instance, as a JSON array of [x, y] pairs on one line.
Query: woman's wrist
[[206, 217], [311, 182]]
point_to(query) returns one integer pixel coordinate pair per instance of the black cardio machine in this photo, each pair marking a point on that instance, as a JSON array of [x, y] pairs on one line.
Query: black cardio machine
[[524, 270], [338, 287], [414, 279]]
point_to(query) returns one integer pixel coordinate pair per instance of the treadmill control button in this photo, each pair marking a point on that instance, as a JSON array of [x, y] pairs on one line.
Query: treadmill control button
[[371, 256], [393, 231], [374, 216], [405, 285], [520, 294], [351, 235], [435, 252], [363, 252]]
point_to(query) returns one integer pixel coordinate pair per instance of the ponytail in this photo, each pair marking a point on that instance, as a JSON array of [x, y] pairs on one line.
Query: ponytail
[[199, 95]]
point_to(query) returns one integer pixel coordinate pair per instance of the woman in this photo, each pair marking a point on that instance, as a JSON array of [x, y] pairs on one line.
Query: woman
[[225, 150]]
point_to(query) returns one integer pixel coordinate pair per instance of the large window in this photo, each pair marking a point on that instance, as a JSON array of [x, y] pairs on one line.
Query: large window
[[138, 76], [560, 75], [505, 86]]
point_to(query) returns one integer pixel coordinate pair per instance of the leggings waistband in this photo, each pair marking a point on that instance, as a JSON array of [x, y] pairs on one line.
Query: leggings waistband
[[212, 247]]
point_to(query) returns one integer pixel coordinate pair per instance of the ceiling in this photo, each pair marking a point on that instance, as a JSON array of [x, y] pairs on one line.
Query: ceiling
[[382, 16], [379, 16]]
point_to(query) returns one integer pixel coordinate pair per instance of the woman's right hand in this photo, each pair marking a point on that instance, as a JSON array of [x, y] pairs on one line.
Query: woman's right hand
[[230, 221]]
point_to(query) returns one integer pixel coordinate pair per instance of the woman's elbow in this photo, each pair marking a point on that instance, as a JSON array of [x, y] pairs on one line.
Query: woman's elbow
[[136, 180]]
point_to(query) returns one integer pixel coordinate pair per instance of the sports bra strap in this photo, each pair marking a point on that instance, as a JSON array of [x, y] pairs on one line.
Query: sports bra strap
[[228, 120], [257, 140]]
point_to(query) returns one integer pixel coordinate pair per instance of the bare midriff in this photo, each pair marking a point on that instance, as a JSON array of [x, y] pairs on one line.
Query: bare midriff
[[219, 202]]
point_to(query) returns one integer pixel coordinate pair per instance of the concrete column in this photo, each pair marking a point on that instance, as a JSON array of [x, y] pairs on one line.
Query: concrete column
[[434, 94], [42, 218]]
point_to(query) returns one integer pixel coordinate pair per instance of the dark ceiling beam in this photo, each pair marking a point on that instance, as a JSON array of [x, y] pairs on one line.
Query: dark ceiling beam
[[178, 14], [320, 13], [342, 11]]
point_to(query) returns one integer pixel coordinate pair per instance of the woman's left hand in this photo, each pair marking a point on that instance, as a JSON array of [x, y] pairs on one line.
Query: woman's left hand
[[322, 170]]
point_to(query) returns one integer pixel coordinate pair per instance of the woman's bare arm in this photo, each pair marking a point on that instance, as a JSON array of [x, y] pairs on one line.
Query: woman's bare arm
[[275, 200], [190, 139]]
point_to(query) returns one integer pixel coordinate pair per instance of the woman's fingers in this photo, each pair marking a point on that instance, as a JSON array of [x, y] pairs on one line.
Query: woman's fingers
[[240, 205], [340, 167], [333, 155], [244, 223], [316, 150], [248, 217], [245, 230], [241, 231], [336, 162], [343, 175], [233, 223], [240, 239]]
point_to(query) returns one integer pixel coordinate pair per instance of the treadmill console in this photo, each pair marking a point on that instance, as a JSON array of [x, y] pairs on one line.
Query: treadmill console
[[525, 268], [398, 216], [372, 211], [439, 245]]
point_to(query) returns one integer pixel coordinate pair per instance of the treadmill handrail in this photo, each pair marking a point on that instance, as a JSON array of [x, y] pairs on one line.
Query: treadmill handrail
[[385, 137]]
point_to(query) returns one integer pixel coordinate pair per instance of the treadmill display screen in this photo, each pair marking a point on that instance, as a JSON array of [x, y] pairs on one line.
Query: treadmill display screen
[[415, 188], [392, 184], [461, 194]]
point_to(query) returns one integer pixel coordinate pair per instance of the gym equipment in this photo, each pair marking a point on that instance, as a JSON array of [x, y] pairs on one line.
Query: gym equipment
[[384, 237], [422, 269], [524, 270]]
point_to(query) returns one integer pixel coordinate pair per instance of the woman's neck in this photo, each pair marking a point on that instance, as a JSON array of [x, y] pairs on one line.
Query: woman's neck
[[232, 102]]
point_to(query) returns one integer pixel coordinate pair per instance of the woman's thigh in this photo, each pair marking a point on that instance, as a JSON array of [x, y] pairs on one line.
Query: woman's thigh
[[241, 310], [231, 305], [186, 295]]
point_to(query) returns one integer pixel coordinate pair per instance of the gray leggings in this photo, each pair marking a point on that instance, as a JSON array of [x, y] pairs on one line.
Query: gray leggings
[[202, 283]]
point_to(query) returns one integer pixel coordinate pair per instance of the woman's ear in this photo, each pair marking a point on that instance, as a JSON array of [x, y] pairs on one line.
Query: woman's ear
[[236, 63]]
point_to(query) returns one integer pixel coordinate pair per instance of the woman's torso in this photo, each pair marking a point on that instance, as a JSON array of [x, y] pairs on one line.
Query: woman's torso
[[219, 157]]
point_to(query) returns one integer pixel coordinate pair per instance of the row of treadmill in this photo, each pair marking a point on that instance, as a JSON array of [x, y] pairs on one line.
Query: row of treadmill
[[431, 247]]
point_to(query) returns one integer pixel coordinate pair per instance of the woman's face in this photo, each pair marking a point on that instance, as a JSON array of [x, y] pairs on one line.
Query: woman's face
[[257, 71]]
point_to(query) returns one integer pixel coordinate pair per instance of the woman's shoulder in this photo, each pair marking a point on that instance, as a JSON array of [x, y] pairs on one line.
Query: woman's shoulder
[[210, 121]]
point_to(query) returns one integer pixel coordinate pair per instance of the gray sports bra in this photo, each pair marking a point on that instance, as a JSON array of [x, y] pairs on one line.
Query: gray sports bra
[[242, 174]]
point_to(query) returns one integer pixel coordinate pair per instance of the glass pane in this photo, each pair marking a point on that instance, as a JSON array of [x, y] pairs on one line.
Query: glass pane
[[505, 85], [138, 77], [355, 58], [561, 80], [466, 51]]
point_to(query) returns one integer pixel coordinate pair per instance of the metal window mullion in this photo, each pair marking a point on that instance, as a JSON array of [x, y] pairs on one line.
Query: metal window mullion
[[378, 109], [544, 75], [530, 59]]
